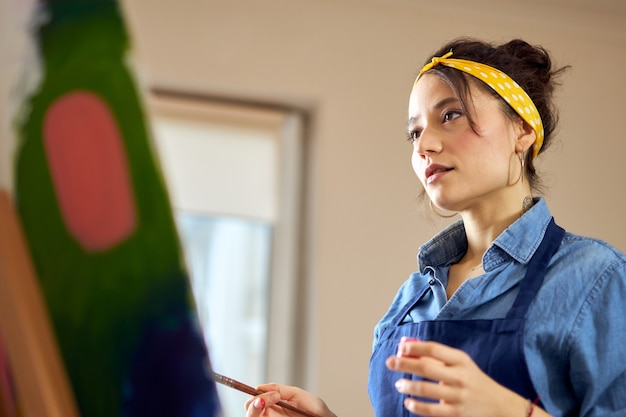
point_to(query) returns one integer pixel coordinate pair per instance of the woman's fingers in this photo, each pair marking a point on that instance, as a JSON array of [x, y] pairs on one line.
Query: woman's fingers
[[432, 361], [449, 382], [256, 406], [429, 409], [424, 367], [427, 389], [434, 350], [265, 404], [272, 387]]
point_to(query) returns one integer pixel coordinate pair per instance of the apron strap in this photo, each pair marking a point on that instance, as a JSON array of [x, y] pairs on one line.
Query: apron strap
[[399, 318], [536, 270]]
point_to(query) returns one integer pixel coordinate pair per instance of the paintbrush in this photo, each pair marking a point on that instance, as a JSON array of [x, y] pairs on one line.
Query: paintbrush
[[240, 386]]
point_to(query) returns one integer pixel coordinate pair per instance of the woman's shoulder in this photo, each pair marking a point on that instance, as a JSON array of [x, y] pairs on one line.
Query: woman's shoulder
[[584, 265], [579, 249], [585, 281]]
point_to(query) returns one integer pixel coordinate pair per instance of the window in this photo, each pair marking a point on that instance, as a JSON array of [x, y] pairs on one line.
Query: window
[[233, 174]]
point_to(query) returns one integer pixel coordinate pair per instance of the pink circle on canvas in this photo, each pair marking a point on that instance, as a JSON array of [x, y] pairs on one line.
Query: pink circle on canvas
[[89, 170]]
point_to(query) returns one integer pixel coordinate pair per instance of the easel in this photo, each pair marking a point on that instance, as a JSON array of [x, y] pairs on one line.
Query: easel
[[42, 386]]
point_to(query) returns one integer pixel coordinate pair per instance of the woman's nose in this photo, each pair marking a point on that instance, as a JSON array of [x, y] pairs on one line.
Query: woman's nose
[[429, 142]]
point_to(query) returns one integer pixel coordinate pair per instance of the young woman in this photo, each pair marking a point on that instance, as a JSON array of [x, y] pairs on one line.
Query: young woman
[[508, 314]]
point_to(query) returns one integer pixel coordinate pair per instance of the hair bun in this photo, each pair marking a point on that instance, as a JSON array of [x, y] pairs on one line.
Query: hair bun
[[534, 59]]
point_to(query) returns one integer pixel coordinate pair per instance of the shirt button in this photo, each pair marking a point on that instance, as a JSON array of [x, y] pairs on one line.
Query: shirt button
[[431, 282]]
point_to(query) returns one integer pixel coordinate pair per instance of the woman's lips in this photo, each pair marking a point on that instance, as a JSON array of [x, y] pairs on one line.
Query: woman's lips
[[435, 172]]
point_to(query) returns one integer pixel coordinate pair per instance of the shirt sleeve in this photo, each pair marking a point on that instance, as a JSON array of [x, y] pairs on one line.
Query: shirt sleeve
[[596, 346]]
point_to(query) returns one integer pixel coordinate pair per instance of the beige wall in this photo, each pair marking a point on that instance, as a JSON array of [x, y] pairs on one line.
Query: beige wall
[[350, 64]]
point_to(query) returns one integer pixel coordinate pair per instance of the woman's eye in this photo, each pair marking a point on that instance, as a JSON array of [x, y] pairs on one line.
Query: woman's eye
[[451, 115], [413, 135]]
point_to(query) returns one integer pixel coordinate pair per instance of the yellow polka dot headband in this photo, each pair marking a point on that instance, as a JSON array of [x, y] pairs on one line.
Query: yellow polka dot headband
[[502, 84]]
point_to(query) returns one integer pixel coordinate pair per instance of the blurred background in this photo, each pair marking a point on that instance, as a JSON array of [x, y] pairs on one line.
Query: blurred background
[[314, 192]]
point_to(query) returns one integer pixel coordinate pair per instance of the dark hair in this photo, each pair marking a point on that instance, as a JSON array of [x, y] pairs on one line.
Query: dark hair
[[529, 66]]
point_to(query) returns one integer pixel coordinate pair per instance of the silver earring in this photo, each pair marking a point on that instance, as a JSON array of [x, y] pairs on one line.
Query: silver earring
[[522, 162]]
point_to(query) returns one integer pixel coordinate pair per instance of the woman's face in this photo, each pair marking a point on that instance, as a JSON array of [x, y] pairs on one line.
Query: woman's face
[[457, 166]]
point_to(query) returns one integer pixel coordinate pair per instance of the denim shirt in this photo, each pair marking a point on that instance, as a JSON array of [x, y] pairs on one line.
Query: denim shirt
[[575, 332]]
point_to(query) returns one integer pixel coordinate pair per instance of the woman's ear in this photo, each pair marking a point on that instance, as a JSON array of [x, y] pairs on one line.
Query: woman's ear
[[526, 136]]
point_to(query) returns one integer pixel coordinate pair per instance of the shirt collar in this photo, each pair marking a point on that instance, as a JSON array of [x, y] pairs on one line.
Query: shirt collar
[[519, 241]]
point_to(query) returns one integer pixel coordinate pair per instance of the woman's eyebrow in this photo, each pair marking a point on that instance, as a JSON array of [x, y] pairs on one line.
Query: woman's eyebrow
[[439, 105]]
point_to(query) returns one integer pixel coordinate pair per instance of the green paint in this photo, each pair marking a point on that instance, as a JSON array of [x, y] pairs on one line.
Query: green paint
[[99, 302]]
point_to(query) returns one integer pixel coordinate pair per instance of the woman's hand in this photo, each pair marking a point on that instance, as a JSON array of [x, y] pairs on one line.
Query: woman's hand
[[459, 387], [265, 404]]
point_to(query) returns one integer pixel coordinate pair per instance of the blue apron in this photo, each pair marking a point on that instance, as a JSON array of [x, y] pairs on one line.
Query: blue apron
[[495, 345]]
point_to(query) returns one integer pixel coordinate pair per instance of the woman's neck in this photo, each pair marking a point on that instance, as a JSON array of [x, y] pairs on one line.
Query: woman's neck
[[485, 222]]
